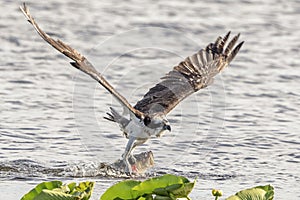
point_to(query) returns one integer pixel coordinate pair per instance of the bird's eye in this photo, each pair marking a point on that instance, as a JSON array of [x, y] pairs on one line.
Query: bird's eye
[[147, 120]]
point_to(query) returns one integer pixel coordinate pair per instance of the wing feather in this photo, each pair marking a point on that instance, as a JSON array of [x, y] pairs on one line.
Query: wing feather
[[80, 62], [195, 72], [192, 74]]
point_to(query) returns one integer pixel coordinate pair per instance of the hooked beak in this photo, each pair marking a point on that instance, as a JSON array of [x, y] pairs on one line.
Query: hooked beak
[[167, 127]]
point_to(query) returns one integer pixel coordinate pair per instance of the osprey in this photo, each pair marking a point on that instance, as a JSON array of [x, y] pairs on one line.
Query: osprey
[[148, 117]]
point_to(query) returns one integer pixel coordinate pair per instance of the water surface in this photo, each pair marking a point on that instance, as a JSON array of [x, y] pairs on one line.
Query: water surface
[[238, 133]]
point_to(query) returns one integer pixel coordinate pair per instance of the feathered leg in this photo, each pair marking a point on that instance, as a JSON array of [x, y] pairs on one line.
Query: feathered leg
[[135, 144], [127, 153]]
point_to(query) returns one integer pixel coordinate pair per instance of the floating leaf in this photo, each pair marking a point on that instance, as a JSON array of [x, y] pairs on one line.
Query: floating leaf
[[163, 198], [256, 193], [83, 190], [161, 192], [54, 195], [122, 190], [40, 187], [163, 187], [54, 190], [148, 186], [71, 186], [184, 190]]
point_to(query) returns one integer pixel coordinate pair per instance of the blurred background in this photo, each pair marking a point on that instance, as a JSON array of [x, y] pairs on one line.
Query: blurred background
[[238, 133]]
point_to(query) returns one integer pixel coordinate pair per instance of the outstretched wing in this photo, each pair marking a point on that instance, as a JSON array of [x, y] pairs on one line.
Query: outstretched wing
[[192, 74], [80, 62]]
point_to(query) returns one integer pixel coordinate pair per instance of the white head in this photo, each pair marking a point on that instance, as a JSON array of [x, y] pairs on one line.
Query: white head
[[157, 122]]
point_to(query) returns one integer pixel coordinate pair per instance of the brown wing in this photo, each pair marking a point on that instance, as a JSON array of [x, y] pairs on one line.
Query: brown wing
[[80, 63], [195, 72]]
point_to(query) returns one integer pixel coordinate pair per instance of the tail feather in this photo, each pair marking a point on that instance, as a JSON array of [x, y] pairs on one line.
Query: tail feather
[[110, 117], [114, 116]]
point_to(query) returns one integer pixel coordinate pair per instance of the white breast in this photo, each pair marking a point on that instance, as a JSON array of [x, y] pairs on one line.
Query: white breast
[[136, 128]]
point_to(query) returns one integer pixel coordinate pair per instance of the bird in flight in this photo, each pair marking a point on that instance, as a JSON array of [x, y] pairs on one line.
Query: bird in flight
[[148, 117]]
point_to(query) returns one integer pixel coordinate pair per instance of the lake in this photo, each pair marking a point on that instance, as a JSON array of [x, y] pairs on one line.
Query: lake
[[240, 132]]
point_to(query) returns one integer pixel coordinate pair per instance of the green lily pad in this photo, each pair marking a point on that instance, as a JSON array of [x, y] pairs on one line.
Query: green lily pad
[[55, 190], [40, 187], [148, 186], [122, 190], [163, 187], [257, 193]]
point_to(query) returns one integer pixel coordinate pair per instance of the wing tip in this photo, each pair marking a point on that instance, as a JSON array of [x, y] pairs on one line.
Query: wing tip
[[234, 52], [229, 49], [227, 36], [25, 11]]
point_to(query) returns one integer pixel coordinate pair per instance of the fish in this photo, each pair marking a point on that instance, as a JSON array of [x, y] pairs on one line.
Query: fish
[[140, 164]]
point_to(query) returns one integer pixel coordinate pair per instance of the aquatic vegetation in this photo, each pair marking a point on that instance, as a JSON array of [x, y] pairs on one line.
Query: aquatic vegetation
[[166, 187], [55, 190], [257, 193], [217, 193]]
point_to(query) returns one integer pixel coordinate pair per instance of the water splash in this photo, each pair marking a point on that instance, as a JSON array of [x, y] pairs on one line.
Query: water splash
[[18, 169]]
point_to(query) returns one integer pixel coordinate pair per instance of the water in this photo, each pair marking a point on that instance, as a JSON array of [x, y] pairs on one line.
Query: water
[[238, 133]]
